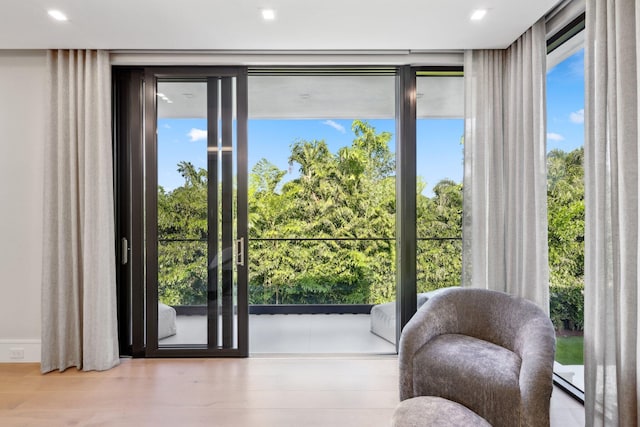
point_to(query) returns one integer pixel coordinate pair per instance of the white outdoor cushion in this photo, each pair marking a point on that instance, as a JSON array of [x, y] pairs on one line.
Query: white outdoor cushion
[[383, 316], [383, 321], [166, 321]]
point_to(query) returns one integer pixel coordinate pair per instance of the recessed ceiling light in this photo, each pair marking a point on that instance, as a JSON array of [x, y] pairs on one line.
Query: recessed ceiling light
[[57, 15], [268, 14], [478, 14]]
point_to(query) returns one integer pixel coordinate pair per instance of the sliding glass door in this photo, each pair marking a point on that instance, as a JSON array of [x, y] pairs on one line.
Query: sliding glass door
[[333, 207], [196, 216]]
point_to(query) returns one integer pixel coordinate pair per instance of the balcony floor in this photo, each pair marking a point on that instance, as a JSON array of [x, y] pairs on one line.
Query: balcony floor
[[295, 334]]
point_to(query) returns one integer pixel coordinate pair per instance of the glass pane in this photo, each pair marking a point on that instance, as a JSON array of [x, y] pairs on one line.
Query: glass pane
[[182, 212], [565, 205], [439, 152], [321, 210]]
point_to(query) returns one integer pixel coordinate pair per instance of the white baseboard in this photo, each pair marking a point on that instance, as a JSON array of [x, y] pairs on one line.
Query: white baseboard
[[12, 349]]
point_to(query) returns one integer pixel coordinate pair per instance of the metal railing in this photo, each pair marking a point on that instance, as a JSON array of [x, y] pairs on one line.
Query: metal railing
[[294, 271]]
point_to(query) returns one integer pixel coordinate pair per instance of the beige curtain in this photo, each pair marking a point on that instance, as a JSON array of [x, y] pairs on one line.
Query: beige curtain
[[79, 324], [611, 213], [505, 202]]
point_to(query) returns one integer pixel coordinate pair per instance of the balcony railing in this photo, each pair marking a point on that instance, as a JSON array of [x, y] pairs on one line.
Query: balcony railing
[[343, 274]]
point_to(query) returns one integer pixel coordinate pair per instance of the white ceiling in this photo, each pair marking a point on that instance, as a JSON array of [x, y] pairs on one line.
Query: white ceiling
[[238, 25]]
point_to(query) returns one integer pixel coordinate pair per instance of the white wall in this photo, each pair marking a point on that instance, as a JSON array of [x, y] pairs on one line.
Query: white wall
[[22, 122]]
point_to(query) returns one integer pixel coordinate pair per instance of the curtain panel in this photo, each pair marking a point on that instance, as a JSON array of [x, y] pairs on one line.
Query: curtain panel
[[505, 244], [79, 315], [611, 213]]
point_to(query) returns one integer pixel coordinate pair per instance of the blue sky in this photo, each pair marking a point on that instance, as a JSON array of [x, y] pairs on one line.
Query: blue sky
[[439, 152], [180, 140], [565, 104]]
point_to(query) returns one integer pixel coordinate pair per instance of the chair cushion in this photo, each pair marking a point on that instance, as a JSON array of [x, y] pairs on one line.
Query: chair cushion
[[480, 375], [434, 411]]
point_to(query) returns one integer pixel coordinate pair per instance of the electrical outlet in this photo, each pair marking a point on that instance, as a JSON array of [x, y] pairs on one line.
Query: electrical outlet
[[16, 353]]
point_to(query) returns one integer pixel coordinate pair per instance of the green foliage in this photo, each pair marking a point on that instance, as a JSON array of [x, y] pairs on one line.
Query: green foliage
[[565, 205], [350, 195], [347, 195], [567, 307], [565, 199], [439, 257], [182, 227]]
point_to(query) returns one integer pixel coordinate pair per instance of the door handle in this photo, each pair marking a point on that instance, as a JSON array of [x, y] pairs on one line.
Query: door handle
[[124, 251], [240, 251]]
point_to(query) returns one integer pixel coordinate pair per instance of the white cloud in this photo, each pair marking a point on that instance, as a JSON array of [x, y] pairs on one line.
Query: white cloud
[[555, 136], [167, 126], [336, 126], [197, 134], [577, 116]]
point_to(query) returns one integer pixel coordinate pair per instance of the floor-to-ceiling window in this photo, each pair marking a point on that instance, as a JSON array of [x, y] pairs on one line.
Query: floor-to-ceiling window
[[565, 202]]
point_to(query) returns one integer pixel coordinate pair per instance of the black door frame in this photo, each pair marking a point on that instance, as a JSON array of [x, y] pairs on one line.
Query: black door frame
[[128, 108], [130, 87]]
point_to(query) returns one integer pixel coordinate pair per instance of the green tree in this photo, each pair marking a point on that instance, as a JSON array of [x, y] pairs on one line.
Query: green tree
[[182, 233], [439, 257], [324, 237], [344, 195], [350, 195], [565, 205]]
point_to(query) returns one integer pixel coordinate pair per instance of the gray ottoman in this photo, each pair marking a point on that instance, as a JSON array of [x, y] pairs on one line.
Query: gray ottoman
[[434, 411]]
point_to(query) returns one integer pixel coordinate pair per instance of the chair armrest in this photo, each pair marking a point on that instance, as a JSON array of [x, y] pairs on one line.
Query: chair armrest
[[536, 346]]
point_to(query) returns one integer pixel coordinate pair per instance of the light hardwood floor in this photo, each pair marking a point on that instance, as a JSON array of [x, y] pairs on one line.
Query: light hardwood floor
[[260, 391]]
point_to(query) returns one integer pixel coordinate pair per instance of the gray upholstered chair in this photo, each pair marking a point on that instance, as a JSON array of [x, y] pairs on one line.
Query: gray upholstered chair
[[491, 352]]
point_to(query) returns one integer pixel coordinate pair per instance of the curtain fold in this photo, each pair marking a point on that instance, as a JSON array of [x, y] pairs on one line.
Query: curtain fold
[[611, 213], [505, 244], [79, 315]]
